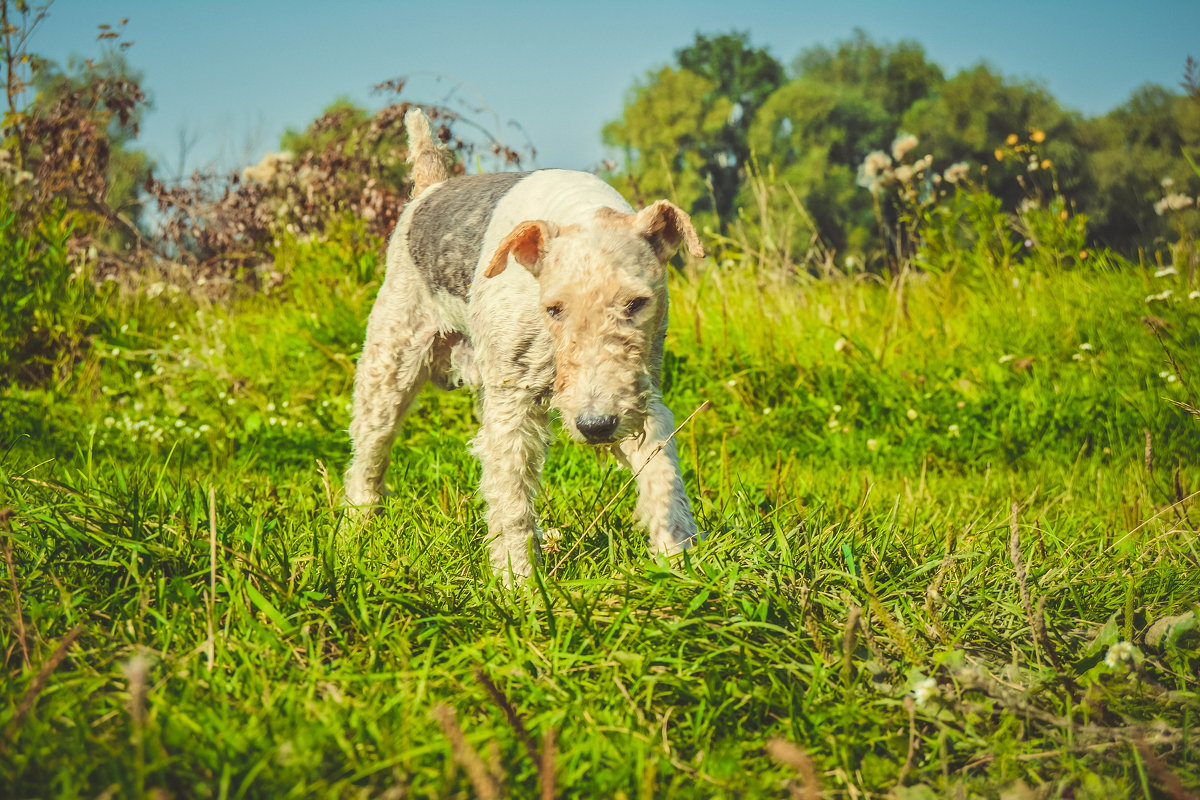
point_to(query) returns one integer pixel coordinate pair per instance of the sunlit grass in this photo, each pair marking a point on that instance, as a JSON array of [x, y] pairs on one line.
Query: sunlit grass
[[858, 596]]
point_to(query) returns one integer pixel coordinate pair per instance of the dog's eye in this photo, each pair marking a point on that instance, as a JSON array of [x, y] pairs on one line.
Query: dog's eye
[[555, 311], [635, 305]]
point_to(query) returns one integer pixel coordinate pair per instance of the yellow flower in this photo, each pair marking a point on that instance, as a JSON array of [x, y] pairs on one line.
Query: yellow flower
[[1083, 254], [1046, 163], [999, 154], [1037, 137], [1012, 139]]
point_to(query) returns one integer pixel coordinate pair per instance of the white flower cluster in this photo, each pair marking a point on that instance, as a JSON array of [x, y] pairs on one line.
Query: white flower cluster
[[879, 169], [1173, 202]]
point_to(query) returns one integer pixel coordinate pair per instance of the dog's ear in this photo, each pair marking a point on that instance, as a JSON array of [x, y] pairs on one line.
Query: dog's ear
[[527, 244], [664, 225]]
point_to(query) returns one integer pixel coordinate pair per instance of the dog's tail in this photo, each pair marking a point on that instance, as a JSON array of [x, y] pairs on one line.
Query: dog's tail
[[428, 165]]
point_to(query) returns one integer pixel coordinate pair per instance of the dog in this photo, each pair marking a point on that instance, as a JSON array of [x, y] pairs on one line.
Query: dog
[[542, 291]]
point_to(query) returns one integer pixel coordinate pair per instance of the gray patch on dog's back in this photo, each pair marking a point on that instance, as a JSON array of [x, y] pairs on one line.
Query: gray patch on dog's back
[[448, 227]]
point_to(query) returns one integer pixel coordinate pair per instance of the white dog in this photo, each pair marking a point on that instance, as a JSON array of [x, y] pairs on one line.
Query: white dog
[[541, 290]]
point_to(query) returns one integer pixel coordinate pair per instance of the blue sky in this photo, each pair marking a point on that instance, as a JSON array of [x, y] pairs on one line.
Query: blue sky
[[233, 74]]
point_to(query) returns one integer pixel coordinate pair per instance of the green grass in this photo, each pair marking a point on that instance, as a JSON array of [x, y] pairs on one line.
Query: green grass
[[170, 519]]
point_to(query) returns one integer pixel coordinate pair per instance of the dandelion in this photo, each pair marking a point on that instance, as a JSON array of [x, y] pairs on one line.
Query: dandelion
[[1083, 254], [956, 172], [1037, 137], [1047, 163], [999, 154], [904, 173], [872, 445], [1121, 655], [903, 145], [911, 413], [1012, 139]]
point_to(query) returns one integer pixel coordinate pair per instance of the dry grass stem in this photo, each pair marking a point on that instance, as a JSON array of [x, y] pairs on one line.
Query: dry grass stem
[[487, 785]]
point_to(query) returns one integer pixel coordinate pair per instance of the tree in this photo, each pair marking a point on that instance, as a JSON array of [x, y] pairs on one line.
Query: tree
[[667, 131], [813, 135], [896, 76], [745, 76], [706, 105]]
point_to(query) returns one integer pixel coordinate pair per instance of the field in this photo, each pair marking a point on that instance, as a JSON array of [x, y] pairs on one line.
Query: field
[[952, 552]]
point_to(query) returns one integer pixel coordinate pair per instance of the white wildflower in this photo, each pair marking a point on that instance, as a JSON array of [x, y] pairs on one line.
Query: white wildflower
[[840, 344], [1173, 202], [956, 172], [1194, 295], [911, 413], [1086, 346], [551, 540], [1004, 359], [872, 445], [1161, 296], [1121, 655], [1165, 271], [1168, 182], [924, 691], [903, 145], [953, 431]]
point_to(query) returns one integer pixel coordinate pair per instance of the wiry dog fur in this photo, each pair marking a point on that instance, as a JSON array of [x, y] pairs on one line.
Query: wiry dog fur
[[543, 291]]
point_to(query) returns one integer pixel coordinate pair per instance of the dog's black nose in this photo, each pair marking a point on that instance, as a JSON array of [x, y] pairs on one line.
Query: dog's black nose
[[597, 427]]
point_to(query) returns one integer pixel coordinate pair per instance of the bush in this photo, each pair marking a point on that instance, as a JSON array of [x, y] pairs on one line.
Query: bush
[[48, 307]]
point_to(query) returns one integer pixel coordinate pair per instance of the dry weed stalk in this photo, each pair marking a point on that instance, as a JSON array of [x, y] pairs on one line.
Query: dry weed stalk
[[487, 785], [808, 787], [18, 614], [1037, 618], [39, 682]]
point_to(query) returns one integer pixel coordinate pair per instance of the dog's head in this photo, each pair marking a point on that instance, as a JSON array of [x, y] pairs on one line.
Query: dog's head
[[603, 292]]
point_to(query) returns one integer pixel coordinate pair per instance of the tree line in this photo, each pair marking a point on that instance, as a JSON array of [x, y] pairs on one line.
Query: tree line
[[700, 128]]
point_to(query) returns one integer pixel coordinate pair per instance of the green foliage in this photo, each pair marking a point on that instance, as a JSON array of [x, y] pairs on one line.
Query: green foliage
[[666, 130], [813, 136], [895, 76], [48, 309]]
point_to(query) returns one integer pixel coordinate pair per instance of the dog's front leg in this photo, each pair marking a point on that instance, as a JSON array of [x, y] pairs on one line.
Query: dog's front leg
[[511, 447], [662, 507]]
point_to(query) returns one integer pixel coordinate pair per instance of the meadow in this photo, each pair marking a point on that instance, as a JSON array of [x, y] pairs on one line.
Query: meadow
[[952, 546]]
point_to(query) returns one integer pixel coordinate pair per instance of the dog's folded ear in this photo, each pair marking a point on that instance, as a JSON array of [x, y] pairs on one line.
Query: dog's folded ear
[[526, 243], [664, 225]]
